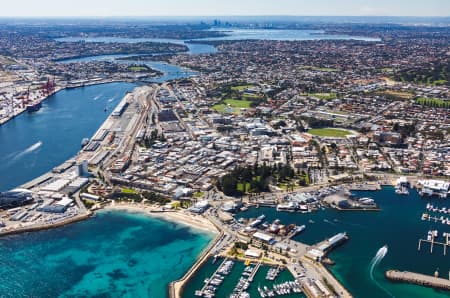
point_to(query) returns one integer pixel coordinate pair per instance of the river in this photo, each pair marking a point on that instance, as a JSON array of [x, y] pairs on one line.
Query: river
[[232, 34], [33, 144]]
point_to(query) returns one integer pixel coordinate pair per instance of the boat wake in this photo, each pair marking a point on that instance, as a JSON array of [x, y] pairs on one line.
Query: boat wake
[[98, 96], [112, 99], [329, 222], [379, 256], [29, 150]]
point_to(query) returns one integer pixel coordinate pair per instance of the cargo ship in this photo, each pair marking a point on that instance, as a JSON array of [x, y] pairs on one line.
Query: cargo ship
[[34, 107]]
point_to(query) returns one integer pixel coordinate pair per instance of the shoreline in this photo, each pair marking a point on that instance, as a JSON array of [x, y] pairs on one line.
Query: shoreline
[[193, 221], [175, 288]]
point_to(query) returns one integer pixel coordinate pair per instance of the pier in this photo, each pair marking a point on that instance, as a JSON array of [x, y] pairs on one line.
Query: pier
[[433, 242], [202, 291], [255, 270], [418, 279]]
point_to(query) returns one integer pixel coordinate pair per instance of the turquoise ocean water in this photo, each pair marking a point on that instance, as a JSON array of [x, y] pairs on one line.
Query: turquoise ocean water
[[111, 255]]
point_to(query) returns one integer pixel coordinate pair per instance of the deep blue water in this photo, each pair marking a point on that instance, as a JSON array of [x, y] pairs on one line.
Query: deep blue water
[[33, 144], [398, 225], [111, 255]]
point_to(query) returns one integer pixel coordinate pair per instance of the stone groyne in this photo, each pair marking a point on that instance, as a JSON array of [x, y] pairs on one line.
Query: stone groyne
[[418, 279]]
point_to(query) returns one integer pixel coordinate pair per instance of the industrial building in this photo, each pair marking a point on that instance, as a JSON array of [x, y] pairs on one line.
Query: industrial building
[[15, 197]]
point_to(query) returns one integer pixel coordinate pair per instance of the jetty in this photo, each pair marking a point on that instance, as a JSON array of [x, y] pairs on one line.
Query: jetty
[[254, 271], [418, 279], [433, 242], [208, 281]]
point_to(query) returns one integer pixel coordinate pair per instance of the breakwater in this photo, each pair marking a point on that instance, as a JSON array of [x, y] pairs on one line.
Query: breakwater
[[418, 279], [176, 287]]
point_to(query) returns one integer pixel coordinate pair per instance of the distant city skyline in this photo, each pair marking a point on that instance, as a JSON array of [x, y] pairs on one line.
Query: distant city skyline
[[107, 8]]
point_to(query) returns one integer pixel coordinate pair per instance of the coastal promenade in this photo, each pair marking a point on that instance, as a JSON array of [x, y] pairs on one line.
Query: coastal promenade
[[418, 279], [189, 219]]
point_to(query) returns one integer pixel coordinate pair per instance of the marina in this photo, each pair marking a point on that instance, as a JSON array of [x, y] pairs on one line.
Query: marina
[[358, 225], [238, 278]]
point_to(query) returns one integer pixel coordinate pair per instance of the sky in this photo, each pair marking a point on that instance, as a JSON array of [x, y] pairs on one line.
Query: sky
[[86, 8]]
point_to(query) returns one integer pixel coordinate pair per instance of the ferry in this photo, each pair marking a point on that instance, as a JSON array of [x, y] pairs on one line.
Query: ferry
[[261, 217], [297, 230], [255, 223], [402, 191], [367, 201], [437, 188], [289, 207], [300, 229], [303, 208]]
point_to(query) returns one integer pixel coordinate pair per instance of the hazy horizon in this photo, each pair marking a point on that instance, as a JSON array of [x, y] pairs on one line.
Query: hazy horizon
[[204, 8]]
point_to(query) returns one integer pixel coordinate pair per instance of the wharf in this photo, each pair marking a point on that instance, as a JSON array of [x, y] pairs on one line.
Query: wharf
[[330, 286], [37, 181], [365, 186], [418, 279], [358, 209]]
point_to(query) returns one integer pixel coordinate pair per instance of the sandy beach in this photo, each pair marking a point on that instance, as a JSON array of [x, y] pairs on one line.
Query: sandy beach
[[178, 216]]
